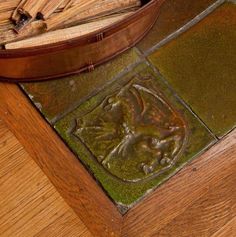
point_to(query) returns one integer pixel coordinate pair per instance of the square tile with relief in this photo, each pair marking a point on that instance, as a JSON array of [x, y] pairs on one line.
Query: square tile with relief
[[133, 135]]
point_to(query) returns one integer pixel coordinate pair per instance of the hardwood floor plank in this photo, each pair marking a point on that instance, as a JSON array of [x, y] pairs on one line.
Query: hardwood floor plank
[[228, 230], [209, 213], [65, 225], [30, 205]]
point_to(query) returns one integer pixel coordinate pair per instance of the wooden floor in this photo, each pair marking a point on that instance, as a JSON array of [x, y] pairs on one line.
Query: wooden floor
[[29, 203]]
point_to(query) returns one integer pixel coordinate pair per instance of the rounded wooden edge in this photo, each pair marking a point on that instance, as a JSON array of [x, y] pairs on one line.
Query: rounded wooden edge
[[78, 41], [81, 70], [24, 56]]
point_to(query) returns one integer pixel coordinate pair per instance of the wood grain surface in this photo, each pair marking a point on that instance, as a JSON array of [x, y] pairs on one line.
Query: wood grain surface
[[198, 201], [228, 230], [29, 204], [70, 178]]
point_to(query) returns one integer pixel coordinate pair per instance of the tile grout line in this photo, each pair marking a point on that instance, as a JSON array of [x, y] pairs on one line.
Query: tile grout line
[[123, 72], [142, 58], [142, 55], [185, 27], [227, 133], [181, 100], [177, 33]]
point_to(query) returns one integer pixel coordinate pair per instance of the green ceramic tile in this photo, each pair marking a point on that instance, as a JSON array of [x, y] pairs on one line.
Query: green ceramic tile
[[200, 66], [56, 97], [174, 14], [133, 135]]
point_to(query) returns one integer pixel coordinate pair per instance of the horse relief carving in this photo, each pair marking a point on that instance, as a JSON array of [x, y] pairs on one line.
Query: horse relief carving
[[133, 132]]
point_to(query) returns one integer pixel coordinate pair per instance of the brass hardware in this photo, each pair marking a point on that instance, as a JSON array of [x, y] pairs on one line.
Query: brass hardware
[[90, 67], [100, 36]]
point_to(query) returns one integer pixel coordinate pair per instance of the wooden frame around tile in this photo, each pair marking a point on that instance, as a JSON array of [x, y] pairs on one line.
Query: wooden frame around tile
[[83, 194]]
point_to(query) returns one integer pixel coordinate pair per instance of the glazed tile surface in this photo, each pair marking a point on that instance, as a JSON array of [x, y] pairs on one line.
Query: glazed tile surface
[[133, 135], [54, 98], [174, 14], [200, 66]]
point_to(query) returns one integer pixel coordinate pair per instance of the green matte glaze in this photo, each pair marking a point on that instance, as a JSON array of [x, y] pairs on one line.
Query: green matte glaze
[[57, 97], [127, 193], [174, 14], [200, 66]]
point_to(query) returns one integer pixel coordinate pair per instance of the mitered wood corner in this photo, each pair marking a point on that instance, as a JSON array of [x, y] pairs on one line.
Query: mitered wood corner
[[156, 215]]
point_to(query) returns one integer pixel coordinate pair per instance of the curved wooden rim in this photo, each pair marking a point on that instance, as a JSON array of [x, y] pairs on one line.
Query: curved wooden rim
[[89, 38], [12, 80]]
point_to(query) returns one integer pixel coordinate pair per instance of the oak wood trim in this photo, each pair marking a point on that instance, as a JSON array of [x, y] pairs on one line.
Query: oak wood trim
[[173, 198], [70, 178], [228, 230]]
